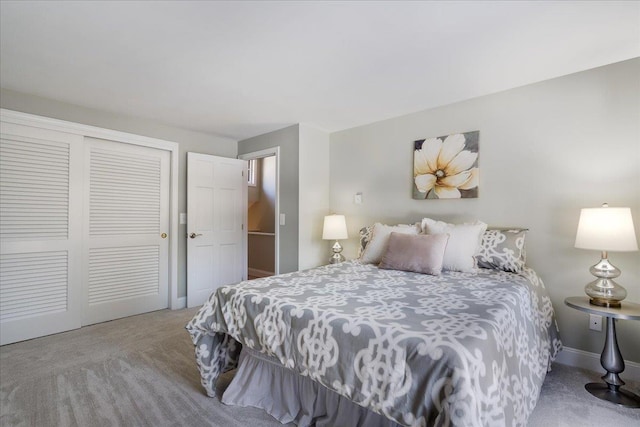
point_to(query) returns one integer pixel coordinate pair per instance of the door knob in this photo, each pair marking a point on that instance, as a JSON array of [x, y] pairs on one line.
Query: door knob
[[163, 235], [194, 235]]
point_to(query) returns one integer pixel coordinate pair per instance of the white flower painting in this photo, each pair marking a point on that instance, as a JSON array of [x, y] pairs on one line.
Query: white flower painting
[[446, 167]]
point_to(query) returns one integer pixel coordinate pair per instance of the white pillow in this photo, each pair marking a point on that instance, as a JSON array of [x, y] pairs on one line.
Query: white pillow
[[464, 243], [372, 254]]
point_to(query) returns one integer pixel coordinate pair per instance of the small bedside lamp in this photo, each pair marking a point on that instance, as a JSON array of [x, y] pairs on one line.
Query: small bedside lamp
[[335, 228], [606, 229]]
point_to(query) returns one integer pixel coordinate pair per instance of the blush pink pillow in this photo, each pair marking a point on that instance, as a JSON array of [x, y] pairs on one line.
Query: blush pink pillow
[[419, 253]]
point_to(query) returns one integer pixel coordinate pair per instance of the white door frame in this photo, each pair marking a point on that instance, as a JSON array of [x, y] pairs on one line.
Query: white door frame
[[25, 119], [268, 152]]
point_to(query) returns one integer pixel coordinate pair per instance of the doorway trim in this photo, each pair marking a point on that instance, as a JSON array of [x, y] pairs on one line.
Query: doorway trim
[[260, 154]]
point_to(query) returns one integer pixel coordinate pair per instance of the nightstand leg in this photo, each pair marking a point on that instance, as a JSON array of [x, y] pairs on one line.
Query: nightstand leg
[[612, 361]]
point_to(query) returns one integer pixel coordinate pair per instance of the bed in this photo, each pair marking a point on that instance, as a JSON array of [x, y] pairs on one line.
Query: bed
[[357, 344]]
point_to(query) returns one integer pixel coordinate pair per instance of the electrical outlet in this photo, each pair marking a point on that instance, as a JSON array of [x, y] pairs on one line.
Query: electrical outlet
[[595, 322]]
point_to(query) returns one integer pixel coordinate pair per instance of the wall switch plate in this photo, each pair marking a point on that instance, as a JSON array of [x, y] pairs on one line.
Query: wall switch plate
[[282, 219], [595, 322], [183, 218], [357, 199]]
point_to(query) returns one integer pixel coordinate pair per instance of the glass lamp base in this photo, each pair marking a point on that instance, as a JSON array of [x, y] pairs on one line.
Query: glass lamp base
[[336, 259], [604, 291], [337, 256], [605, 303]]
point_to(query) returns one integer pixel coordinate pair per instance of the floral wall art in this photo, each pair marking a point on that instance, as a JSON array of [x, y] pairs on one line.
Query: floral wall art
[[446, 167]]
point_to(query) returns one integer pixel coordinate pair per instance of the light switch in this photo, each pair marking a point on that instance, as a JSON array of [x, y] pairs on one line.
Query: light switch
[[183, 218], [357, 199], [282, 219]]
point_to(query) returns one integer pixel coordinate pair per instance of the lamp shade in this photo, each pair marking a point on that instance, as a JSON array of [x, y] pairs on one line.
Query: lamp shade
[[606, 229], [335, 227]]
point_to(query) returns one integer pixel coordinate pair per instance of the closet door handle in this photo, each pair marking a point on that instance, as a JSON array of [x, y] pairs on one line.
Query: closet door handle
[[194, 235]]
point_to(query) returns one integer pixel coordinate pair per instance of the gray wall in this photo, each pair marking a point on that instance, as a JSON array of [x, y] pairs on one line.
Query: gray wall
[[287, 139], [188, 141], [313, 196], [546, 151]]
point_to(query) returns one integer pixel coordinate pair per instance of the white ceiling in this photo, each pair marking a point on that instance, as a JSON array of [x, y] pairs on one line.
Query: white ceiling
[[240, 69]]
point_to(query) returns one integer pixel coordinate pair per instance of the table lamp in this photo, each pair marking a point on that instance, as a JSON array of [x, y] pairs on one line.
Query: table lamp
[[606, 229], [335, 228]]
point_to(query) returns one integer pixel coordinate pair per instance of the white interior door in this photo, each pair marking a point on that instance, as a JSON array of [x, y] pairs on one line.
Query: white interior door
[[40, 232], [216, 214], [126, 227]]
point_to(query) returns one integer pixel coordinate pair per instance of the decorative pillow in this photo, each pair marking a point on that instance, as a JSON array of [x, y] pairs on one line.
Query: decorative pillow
[[503, 249], [420, 253], [366, 234], [463, 245], [365, 237], [373, 251]]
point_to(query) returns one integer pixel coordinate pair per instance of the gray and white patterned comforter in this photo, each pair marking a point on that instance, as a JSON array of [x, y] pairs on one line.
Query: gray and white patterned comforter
[[462, 349]]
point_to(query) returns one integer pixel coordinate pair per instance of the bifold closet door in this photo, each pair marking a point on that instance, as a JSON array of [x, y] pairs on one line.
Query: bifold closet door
[[40, 232], [126, 226]]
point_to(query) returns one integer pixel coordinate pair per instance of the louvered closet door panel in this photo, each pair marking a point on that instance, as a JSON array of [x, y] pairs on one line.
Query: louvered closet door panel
[[40, 232], [127, 201]]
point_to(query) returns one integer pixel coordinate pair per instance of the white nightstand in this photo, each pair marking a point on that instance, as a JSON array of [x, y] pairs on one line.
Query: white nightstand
[[611, 358]]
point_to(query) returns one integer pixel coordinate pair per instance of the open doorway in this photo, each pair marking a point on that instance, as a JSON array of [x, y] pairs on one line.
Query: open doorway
[[262, 213]]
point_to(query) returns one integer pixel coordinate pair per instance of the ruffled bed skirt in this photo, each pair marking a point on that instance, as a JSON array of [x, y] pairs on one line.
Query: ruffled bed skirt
[[261, 382]]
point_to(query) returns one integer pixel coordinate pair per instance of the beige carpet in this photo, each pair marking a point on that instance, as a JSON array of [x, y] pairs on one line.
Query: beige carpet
[[140, 371]]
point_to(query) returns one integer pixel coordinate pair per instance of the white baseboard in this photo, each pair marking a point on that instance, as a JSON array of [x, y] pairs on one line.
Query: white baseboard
[[259, 273], [587, 360]]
